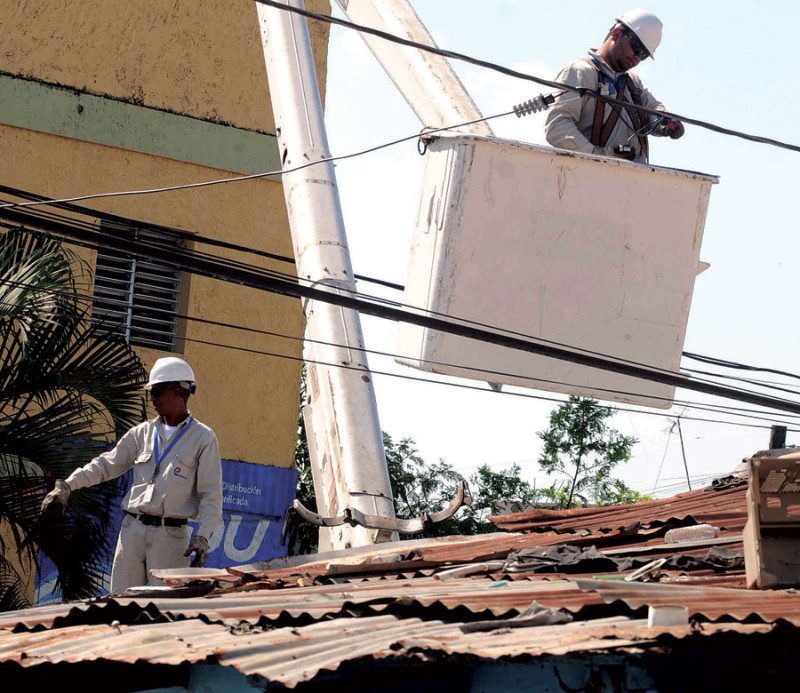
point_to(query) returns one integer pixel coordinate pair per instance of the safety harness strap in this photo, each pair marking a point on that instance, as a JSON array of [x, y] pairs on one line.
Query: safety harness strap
[[603, 127]]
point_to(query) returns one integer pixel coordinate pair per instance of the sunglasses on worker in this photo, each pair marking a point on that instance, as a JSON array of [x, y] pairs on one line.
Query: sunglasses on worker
[[636, 45], [158, 390]]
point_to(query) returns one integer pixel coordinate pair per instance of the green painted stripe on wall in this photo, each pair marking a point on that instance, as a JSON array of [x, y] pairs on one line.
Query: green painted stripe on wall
[[80, 116]]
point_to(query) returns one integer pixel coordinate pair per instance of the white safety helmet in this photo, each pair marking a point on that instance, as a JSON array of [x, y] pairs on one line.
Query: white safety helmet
[[171, 369], [645, 25]]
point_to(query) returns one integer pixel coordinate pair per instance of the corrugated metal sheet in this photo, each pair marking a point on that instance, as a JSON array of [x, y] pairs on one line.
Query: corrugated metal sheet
[[724, 508], [712, 603], [465, 597], [292, 655], [299, 617], [457, 599]]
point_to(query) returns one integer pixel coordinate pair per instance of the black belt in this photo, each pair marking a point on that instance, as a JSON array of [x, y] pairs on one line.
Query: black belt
[[155, 521]]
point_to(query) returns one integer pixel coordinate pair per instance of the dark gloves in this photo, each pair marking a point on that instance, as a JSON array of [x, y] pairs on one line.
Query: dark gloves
[[672, 128], [198, 545], [56, 500]]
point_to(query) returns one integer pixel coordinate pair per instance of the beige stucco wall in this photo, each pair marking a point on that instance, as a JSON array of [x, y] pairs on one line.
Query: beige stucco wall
[[251, 400], [196, 57]]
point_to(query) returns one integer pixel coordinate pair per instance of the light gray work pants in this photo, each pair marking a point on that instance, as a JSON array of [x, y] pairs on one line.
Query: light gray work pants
[[142, 548]]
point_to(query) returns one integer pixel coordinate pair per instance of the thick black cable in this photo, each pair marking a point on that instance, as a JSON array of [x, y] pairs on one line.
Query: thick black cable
[[131, 225], [136, 225], [187, 236], [55, 219], [218, 270], [718, 409], [751, 381], [583, 91], [465, 386], [160, 248]]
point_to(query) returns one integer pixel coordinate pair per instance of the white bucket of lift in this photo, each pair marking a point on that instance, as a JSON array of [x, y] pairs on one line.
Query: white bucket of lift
[[595, 253]]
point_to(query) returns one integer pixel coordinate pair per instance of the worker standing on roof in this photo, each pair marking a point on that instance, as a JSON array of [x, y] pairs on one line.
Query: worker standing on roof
[[591, 125], [177, 475]]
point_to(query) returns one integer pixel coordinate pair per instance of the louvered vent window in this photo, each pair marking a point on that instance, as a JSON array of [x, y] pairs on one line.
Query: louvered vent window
[[137, 298]]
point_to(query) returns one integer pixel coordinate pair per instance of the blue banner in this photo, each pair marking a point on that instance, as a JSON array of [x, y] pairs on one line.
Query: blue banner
[[254, 499]]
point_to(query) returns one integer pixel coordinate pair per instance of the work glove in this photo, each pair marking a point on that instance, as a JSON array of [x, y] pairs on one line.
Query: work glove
[[672, 128], [56, 500], [198, 545], [677, 132]]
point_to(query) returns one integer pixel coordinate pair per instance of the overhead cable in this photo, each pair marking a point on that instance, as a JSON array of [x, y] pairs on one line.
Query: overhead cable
[[717, 409], [738, 366], [187, 236], [135, 225], [766, 384], [218, 269], [52, 222], [253, 176], [465, 386], [583, 91]]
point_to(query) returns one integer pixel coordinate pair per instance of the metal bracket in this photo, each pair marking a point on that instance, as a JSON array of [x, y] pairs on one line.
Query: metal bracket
[[352, 516]]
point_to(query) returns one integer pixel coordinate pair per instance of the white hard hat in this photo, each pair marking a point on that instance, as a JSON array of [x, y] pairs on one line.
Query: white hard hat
[[645, 25], [171, 369]]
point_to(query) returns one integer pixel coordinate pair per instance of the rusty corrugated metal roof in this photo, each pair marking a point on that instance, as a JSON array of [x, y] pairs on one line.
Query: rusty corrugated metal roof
[[459, 598], [465, 597], [293, 655], [725, 508], [298, 617], [713, 603]]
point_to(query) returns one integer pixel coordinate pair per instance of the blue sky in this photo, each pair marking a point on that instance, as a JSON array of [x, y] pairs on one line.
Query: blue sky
[[724, 62]]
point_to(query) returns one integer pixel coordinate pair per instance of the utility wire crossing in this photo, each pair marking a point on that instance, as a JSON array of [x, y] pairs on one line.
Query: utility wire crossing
[[84, 298], [52, 222], [216, 268]]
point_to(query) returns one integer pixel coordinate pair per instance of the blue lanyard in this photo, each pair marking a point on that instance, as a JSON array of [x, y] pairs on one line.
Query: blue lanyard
[[604, 77], [160, 458]]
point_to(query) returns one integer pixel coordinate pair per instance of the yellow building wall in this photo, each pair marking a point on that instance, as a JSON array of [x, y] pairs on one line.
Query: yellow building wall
[[250, 400], [201, 58]]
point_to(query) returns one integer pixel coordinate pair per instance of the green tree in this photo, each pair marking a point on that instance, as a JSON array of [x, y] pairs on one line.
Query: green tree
[[618, 493], [420, 487], [580, 446], [67, 391], [497, 493]]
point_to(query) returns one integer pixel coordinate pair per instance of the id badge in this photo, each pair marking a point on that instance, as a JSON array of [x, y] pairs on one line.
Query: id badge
[[147, 496]]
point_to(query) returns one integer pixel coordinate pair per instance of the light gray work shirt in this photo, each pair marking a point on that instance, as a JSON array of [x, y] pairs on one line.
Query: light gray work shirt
[[570, 119], [186, 484]]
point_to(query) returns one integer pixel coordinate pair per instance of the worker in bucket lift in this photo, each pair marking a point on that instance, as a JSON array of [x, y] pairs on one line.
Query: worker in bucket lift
[[591, 125], [177, 475]]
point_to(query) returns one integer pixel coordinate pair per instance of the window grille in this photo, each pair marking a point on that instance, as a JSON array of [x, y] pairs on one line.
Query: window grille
[[137, 298]]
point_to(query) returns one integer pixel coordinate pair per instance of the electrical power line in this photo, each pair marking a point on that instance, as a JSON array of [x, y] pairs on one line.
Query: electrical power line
[[464, 386], [737, 366], [583, 91], [218, 268], [67, 227], [132, 226], [718, 409], [253, 176]]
